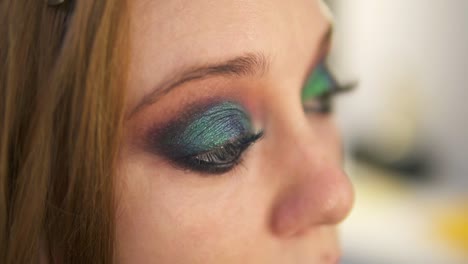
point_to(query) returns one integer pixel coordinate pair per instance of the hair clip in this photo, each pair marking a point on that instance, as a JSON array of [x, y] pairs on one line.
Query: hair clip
[[55, 2]]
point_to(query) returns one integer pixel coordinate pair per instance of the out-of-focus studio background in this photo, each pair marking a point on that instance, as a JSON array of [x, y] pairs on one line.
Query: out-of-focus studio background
[[405, 129]]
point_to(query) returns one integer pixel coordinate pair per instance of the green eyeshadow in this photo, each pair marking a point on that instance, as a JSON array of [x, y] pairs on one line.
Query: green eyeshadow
[[204, 129], [319, 83]]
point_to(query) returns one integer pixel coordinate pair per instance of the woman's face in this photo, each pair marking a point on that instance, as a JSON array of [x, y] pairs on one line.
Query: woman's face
[[226, 158]]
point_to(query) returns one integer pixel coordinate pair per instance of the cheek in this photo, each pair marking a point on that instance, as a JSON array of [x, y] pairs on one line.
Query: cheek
[[178, 217]]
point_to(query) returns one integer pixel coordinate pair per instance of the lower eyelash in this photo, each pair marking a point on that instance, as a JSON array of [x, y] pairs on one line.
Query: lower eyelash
[[321, 105]]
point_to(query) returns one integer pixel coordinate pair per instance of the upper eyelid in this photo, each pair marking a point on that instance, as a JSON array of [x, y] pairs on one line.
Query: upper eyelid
[[213, 112], [321, 56]]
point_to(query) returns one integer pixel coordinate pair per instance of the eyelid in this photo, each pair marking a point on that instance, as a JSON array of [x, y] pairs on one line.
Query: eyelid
[[320, 57], [320, 88], [198, 162], [319, 83], [203, 128]]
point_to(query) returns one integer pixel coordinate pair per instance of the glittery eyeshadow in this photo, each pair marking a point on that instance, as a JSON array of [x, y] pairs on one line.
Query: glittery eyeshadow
[[318, 83], [204, 129]]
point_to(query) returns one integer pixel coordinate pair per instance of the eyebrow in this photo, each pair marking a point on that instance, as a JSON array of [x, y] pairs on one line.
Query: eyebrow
[[249, 64]]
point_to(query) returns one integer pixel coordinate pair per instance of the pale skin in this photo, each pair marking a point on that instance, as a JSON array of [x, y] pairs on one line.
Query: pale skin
[[283, 202]]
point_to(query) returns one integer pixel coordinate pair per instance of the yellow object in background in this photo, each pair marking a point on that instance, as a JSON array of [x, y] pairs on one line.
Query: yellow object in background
[[452, 226]]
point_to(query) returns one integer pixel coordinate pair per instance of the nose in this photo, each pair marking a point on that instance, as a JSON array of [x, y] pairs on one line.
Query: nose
[[315, 190]]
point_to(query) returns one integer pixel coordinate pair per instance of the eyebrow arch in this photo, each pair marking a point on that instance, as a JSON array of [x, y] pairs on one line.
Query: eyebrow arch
[[249, 64]]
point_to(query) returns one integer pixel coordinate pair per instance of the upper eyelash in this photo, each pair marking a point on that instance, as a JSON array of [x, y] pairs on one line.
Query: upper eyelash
[[327, 96], [344, 88], [191, 162]]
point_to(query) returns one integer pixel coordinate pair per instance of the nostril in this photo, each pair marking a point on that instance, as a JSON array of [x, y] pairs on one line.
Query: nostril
[[287, 217], [330, 258]]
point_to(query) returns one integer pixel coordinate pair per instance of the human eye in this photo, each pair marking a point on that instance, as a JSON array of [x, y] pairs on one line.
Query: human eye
[[319, 90], [209, 139]]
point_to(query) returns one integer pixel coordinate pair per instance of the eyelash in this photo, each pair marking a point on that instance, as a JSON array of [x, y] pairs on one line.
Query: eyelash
[[221, 159], [224, 158], [323, 104]]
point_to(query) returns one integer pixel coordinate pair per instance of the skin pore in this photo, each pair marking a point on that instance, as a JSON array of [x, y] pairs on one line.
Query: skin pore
[[222, 82]]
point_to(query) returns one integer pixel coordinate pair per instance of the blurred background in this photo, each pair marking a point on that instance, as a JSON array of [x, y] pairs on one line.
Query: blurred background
[[405, 129]]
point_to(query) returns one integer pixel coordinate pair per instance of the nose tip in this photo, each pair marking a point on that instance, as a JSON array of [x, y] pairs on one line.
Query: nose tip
[[339, 204], [325, 199]]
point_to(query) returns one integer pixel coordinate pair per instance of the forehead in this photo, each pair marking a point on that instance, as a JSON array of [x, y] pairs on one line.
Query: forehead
[[172, 33]]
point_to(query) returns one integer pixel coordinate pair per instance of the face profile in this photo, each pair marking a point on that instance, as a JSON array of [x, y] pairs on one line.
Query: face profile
[[231, 155], [186, 132]]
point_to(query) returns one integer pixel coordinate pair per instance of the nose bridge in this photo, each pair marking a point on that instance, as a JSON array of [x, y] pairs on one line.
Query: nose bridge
[[315, 191], [303, 144]]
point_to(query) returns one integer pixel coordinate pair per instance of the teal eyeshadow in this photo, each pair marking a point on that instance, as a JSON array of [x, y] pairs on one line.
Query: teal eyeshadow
[[319, 83], [204, 129]]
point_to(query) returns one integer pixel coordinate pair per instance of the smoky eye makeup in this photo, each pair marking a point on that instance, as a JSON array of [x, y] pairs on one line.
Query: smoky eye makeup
[[319, 90], [209, 138]]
